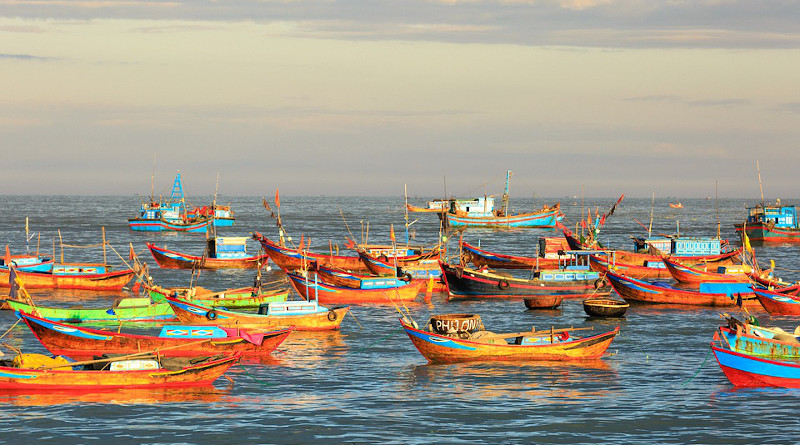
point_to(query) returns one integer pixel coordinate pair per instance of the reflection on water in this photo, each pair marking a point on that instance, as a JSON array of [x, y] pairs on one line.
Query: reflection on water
[[122, 396]]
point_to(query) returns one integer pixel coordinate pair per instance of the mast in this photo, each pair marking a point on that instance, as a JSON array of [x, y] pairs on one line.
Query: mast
[[153, 179], [760, 188], [405, 193], [652, 204], [716, 206], [506, 193]]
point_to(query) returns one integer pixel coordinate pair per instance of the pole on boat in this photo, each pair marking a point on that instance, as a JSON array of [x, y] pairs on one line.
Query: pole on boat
[[27, 238], [153, 179], [405, 193], [104, 246], [760, 188], [652, 204], [716, 207], [61, 245]]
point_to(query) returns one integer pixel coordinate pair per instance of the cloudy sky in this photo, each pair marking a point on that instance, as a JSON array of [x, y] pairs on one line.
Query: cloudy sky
[[358, 98]]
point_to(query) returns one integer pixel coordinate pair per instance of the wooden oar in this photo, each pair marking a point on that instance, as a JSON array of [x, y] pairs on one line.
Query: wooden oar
[[534, 333], [124, 357]]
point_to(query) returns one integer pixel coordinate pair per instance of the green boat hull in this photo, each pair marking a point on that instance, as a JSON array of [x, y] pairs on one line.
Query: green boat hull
[[150, 313], [228, 299]]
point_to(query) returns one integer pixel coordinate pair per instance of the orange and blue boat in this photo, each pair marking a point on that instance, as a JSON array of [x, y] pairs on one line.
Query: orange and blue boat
[[778, 303], [369, 289], [709, 294], [744, 369], [221, 253], [543, 345]]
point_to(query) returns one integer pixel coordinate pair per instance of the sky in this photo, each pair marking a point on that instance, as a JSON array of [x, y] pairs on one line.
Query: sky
[[338, 97]]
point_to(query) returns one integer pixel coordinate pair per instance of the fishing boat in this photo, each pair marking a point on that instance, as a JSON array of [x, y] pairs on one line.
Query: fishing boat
[[709, 294], [702, 274], [83, 343], [169, 215], [548, 257], [777, 303], [552, 344], [237, 298], [744, 369], [759, 341], [294, 258], [502, 218], [86, 276], [676, 205], [26, 262], [361, 290], [138, 371], [131, 309], [770, 223], [566, 282], [605, 307], [426, 270], [302, 315], [221, 253], [543, 302]]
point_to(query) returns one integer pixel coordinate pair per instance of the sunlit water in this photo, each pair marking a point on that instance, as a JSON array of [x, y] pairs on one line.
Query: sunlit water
[[368, 384]]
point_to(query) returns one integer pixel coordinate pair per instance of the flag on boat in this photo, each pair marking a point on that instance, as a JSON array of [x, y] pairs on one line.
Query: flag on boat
[[391, 232], [7, 258], [265, 204], [277, 198]]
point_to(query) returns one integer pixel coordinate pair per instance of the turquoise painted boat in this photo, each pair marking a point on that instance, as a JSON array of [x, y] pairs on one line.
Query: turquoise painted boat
[[771, 224]]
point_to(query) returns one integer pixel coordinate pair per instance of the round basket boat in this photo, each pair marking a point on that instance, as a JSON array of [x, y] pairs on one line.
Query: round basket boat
[[543, 302], [605, 307], [456, 323]]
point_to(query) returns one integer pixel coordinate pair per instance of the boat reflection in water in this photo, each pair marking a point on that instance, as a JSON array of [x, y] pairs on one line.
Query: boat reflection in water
[[122, 396]]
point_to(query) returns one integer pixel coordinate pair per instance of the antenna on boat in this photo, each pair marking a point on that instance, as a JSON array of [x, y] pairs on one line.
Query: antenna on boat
[[153, 179], [405, 194], [27, 237], [506, 192], [760, 188], [716, 206], [652, 204]]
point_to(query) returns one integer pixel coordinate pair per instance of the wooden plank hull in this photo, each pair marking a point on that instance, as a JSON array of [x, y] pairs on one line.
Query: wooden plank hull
[[242, 298], [44, 280], [444, 349], [493, 260], [759, 345], [777, 303], [324, 320], [170, 259], [160, 225], [541, 219], [85, 343], [151, 313], [422, 271], [650, 272], [468, 283], [745, 370], [631, 289], [292, 259], [330, 294], [202, 374], [700, 274]]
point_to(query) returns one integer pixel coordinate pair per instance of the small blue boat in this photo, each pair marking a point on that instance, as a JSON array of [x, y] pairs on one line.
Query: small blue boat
[[748, 370]]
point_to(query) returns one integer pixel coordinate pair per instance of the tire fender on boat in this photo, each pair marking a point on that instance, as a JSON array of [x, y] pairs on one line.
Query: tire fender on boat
[[406, 277], [502, 284], [332, 315], [600, 282], [212, 314], [383, 258]]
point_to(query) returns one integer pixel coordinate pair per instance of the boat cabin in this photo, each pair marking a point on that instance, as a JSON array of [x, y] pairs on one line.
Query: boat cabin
[[690, 246], [228, 247], [780, 216], [480, 205]]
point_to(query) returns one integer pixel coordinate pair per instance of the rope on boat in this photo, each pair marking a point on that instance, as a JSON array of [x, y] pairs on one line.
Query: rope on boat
[[12, 327], [698, 369]]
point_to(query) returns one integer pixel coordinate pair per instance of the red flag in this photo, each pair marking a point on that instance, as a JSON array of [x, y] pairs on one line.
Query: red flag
[[589, 218], [131, 253], [391, 232], [302, 242], [277, 198], [349, 243], [583, 224], [7, 258]]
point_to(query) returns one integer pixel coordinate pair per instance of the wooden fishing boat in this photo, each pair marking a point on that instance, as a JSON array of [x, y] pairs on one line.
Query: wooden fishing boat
[[777, 303], [493, 260], [26, 262], [157, 372], [649, 270], [762, 342], [719, 294], [420, 271], [123, 310], [171, 215], [239, 298], [770, 223], [294, 259], [221, 253], [748, 370], [484, 345], [82, 343], [441, 208], [605, 307], [302, 315], [376, 290], [84, 276], [463, 282], [705, 274], [676, 205]]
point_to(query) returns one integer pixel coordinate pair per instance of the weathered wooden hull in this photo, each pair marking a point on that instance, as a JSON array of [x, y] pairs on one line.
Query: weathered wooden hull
[[44, 280], [760, 345], [292, 259], [330, 294], [203, 374], [631, 289], [241, 298], [421, 271], [443, 349], [760, 233], [468, 283], [700, 274], [170, 259], [745, 370], [541, 219], [84, 343], [198, 315], [160, 225], [776, 303], [151, 313], [493, 260], [653, 271], [604, 307]]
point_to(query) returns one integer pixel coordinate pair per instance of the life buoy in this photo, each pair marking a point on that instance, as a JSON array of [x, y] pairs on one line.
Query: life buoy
[[332, 315], [406, 277], [212, 314], [502, 284], [600, 282]]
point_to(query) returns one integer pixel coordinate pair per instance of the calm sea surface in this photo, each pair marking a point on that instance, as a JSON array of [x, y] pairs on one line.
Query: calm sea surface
[[368, 384]]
